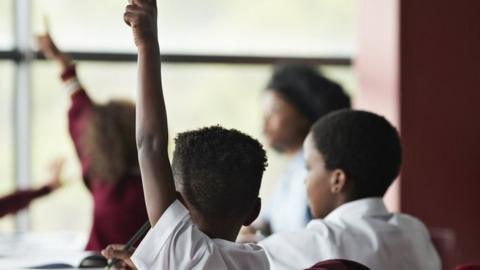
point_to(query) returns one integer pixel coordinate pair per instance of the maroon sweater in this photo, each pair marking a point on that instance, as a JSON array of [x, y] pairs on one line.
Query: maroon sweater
[[20, 199], [118, 208]]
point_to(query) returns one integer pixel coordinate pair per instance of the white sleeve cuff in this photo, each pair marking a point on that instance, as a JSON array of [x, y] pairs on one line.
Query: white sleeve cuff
[[72, 85]]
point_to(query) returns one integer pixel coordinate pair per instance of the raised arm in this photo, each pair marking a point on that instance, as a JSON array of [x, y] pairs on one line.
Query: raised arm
[[49, 49], [21, 199], [151, 117], [81, 106]]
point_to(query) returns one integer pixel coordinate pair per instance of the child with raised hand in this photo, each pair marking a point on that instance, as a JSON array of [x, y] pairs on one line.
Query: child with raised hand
[[104, 139], [217, 173], [352, 157], [21, 199]]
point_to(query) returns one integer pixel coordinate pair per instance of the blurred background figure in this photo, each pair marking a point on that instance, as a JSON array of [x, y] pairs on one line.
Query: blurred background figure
[[20, 199], [104, 139], [295, 97]]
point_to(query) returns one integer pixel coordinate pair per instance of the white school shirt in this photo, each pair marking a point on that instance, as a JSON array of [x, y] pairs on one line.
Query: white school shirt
[[176, 243], [362, 231], [288, 208]]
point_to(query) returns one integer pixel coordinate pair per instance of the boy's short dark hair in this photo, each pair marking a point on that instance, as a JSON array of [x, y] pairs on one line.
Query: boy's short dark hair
[[218, 170], [362, 144], [311, 93]]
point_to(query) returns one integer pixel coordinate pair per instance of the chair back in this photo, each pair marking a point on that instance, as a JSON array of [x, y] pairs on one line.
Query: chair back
[[338, 264]]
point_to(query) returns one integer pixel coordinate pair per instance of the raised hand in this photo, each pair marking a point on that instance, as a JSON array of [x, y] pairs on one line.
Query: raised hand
[[151, 116], [141, 16], [55, 168], [47, 47]]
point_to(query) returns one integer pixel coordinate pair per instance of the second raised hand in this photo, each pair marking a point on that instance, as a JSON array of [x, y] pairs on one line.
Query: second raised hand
[[47, 46], [141, 16]]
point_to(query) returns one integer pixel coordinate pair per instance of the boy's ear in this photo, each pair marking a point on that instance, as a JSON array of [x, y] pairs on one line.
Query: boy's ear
[[338, 181], [254, 212]]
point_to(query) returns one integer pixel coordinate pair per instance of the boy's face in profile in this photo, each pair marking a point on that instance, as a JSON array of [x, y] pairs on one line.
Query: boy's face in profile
[[318, 181]]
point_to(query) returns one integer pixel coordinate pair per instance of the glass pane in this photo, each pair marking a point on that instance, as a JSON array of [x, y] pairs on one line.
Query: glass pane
[[6, 32], [69, 207], [268, 27], [196, 94], [342, 75], [7, 183]]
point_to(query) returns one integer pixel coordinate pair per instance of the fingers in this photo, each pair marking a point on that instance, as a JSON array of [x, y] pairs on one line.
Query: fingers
[[58, 162], [145, 4], [116, 252], [141, 16], [56, 166], [120, 257], [41, 37], [131, 14], [46, 24], [42, 40], [152, 3], [116, 246], [47, 46], [54, 171]]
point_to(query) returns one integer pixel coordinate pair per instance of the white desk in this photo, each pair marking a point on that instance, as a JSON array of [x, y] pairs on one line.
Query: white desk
[[22, 250]]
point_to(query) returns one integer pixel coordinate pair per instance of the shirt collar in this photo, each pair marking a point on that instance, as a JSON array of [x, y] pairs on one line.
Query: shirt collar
[[359, 208], [299, 154]]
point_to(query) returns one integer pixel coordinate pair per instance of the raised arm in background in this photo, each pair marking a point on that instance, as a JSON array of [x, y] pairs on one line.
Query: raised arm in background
[[81, 106], [18, 200]]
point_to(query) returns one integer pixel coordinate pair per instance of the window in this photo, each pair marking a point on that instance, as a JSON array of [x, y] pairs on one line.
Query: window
[[7, 183], [6, 24], [50, 139], [197, 95], [262, 27], [209, 77]]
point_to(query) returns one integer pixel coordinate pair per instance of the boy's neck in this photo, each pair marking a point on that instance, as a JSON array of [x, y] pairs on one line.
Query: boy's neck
[[221, 231], [217, 228]]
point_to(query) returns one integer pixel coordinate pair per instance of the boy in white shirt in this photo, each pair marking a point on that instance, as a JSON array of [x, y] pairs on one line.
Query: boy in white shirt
[[352, 157], [217, 173]]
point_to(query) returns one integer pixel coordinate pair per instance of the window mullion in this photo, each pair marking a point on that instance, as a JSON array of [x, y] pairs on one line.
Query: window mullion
[[22, 104]]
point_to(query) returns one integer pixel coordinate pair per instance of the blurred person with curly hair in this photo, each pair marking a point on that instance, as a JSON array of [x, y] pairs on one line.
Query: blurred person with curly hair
[[104, 139]]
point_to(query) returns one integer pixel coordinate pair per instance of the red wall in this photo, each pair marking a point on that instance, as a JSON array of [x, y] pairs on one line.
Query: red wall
[[440, 117], [418, 63]]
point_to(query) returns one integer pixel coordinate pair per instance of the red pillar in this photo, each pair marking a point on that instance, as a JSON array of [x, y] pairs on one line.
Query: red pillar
[[419, 64]]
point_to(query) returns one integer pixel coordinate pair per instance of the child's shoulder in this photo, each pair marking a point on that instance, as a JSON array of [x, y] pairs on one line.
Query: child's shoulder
[[408, 221], [316, 230], [250, 256]]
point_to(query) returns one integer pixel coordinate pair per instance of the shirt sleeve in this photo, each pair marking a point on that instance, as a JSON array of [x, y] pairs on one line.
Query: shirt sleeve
[[299, 249], [78, 115], [173, 243], [20, 199]]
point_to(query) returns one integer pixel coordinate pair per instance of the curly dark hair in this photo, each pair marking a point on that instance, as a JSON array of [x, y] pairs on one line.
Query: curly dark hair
[[218, 170], [362, 144], [311, 93], [109, 140]]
